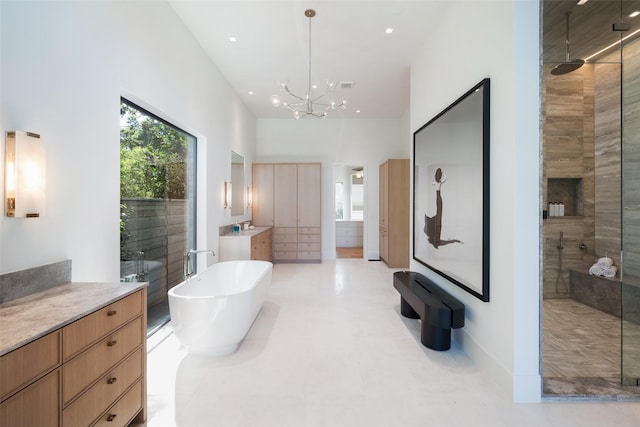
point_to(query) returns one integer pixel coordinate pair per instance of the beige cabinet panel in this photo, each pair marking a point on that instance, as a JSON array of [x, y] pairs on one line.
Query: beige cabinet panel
[[262, 198], [285, 195], [309, 195]]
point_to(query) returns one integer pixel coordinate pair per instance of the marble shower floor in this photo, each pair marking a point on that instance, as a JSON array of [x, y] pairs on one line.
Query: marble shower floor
[[330, 348], [581, 351]]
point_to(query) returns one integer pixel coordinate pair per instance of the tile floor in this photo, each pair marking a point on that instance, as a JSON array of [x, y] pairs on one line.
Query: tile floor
[[330, 348], [582, 350]]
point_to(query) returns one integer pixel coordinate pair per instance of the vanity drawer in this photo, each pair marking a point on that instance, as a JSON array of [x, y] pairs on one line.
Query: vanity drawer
[[285, 247], [306, 247], [309, 255], [84, 369], [284, 230], [285, 238], [309, 230], [36, 405], [124, 410], [309, 238], [285, 256], [28, 362], [84, 410], [93, 327]]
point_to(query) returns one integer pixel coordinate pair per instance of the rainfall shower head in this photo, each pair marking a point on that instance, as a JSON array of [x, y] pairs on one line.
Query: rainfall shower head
[[568, 66]]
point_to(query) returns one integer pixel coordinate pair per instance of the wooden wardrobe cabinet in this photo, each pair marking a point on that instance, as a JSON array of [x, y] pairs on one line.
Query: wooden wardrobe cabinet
[[394, 213], [288, 196]]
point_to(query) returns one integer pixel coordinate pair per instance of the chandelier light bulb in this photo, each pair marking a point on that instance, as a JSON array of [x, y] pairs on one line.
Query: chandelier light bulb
[[276, 101]]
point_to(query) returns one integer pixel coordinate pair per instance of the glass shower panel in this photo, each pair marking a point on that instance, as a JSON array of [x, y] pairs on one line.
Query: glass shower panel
[[631, 213]]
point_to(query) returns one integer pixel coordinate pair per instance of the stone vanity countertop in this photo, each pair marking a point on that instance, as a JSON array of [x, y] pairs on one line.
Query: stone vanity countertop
[[28, 318], [245, 233]]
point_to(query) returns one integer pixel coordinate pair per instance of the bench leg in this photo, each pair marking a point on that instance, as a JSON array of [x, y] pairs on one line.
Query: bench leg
[[406, 310], [435, 338]]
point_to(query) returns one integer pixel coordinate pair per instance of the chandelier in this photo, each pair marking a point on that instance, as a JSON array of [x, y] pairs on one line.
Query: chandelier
[[309, 104]]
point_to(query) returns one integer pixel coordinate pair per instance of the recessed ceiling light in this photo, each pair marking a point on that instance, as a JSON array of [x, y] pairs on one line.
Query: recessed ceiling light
[[233, 39], [634, 14], [250, 92], [388, 30], [314, 87], [357, 111]]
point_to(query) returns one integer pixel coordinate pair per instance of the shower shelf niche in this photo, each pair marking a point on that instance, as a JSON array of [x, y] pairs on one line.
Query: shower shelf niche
[[568, 191]]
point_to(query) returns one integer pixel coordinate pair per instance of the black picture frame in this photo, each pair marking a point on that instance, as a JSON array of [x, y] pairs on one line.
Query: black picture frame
[[451, 192]]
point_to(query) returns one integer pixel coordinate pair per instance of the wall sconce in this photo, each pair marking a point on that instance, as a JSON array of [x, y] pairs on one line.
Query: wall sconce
[[227, 194], [249, 197], [24, 181]]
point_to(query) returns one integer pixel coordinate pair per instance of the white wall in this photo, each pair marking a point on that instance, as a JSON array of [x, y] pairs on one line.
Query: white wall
[[64, 67], [336, 141], [501, 41]]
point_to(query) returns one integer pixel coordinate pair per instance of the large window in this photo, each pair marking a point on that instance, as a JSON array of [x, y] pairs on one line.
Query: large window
[[157, 204]]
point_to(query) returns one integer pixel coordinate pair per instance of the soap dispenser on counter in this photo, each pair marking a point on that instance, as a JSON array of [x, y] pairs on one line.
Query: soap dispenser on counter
[[236, 227]]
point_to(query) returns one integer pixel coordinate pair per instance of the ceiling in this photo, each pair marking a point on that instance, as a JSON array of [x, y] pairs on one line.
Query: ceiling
[[349, 44], [590, 28]]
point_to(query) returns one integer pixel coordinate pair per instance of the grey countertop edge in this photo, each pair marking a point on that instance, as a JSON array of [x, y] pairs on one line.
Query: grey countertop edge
[[31, 317], [245, 233]]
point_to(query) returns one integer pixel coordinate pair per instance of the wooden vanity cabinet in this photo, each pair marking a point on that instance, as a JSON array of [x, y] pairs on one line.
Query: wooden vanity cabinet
[[89, 372], [261, 246]]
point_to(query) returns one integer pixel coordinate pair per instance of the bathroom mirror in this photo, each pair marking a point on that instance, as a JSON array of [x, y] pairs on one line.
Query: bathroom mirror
[[237, 184]]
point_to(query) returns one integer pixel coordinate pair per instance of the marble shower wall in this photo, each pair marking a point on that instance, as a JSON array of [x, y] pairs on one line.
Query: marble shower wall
[[581, 149]]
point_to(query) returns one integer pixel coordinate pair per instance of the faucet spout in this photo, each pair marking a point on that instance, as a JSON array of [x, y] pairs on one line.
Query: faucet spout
[[187, 269]]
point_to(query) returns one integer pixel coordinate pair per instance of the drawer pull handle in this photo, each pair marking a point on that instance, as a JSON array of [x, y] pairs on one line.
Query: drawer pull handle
[[112, 380], [112, 343], [112, 313], [111, 417]]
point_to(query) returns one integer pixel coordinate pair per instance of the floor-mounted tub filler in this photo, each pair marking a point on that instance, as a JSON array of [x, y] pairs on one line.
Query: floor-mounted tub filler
[[212, 311]]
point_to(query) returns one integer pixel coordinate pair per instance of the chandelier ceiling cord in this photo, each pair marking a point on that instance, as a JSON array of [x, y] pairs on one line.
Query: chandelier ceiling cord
[[308, 105]]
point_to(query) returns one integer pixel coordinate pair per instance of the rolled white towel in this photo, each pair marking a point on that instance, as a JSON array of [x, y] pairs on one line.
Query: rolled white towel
[[596, 270], [605, 262], [610, 272]]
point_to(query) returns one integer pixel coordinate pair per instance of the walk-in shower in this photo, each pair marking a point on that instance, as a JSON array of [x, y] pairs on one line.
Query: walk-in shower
[[590, 167]]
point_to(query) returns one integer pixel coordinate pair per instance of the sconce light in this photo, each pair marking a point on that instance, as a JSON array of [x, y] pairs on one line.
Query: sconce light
[[24, 181], [227, 194], [249, 197]]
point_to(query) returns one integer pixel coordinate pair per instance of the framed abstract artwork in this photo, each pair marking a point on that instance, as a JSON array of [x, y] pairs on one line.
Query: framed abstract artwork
[[451, 192]]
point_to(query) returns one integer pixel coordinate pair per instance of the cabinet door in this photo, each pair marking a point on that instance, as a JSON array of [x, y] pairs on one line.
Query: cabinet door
[[262, 200], [309, 195], [384, 194], [285, 195]]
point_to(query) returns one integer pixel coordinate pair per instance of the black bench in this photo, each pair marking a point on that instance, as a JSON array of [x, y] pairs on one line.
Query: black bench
[[438, 311]]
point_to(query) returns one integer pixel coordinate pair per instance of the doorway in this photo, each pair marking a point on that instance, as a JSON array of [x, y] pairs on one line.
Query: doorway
[[349, 210]]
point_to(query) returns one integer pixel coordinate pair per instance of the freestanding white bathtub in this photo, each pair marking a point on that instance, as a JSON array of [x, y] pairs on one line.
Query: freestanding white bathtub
[[212, 311]]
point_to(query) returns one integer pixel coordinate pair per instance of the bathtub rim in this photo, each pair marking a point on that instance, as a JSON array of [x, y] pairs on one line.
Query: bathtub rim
[[171, 293]]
